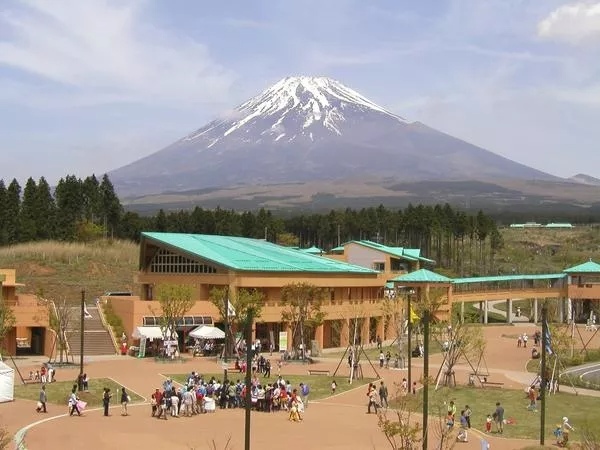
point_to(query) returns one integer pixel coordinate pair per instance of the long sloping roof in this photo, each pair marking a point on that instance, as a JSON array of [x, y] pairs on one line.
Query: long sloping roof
[[422, 276], [586, 267], [256, 255]]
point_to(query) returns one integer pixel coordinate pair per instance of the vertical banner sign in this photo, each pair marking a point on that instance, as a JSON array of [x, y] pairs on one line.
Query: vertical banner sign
[[142, 350], [283, 341]]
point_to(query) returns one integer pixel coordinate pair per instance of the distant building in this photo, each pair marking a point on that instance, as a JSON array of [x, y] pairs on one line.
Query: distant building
[[539, 225]]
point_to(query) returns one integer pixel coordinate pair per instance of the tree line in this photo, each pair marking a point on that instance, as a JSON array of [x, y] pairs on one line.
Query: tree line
[[77, 210], [86, 209]]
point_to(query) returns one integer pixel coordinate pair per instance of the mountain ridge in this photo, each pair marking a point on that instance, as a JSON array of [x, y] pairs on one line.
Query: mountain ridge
[[304, 129]]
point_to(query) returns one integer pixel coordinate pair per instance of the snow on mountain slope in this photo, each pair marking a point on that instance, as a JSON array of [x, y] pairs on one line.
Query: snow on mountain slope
[[305, 129], [318, 102]]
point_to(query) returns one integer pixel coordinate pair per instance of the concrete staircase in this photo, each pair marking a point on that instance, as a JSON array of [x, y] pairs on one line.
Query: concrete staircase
[[96, 339]]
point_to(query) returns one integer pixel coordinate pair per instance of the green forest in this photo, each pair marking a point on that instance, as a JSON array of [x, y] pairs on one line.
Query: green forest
[[84, 210]]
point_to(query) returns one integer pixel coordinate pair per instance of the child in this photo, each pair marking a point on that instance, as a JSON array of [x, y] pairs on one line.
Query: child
[[488, 423], [333, 387]]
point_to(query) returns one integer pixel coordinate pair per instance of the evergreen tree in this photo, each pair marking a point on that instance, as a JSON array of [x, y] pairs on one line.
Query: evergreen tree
[[27, 214], [70, 207], [111, 208], [3, 195], [45, 218], [92, 209], [12, 207]]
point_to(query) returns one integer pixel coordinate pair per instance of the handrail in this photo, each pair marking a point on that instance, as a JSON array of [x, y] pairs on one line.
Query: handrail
[[107, 326]]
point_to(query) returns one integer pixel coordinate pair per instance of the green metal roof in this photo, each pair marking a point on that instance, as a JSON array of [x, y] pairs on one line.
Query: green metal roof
[[411, 254], [389, 285], [257, 255], [422, 276], [339, 248], [498, 278], [586, 267]]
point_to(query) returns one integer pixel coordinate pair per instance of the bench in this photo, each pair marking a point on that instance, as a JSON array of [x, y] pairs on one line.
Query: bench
[[318, 372], [493, 384]]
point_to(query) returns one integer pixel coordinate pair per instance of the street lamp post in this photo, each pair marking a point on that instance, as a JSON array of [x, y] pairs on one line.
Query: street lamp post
[[81, 341], [248, 381], [409, 339]]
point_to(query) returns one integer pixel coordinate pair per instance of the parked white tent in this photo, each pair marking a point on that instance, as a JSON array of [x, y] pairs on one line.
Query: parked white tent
[[153, 332], [207, 332], [7, 383]]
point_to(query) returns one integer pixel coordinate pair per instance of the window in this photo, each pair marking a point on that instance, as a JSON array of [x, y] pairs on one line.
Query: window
[[379, 266], [167, 262]]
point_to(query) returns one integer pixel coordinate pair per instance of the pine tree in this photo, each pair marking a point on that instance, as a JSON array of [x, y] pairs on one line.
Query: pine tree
[[46, 211], [12, 208], [92, 201], [3, 194], [27, 214], [69, 204], [111, 208]]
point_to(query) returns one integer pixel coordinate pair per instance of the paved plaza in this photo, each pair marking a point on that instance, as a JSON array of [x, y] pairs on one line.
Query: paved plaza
[[337, 422]]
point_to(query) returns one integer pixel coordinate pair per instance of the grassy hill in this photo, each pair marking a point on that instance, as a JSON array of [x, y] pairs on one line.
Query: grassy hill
[[539, 250], [60, 270]]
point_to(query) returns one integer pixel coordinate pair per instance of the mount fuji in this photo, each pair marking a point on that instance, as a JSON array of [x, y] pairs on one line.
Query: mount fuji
[[309, 129]]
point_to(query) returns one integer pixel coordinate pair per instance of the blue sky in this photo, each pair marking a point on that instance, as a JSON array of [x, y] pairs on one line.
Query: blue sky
[[89, 86]]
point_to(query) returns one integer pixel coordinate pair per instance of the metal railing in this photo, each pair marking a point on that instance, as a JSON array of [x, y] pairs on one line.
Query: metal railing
[[107, 326]]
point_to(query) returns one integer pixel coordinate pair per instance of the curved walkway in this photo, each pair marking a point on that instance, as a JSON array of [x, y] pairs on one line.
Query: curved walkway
[[337, 422]]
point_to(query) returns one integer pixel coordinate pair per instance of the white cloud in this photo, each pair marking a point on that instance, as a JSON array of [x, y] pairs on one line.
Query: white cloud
[[573, 23], [107, 52]]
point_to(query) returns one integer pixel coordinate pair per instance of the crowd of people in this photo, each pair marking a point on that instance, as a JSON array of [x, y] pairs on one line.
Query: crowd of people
[[199, 395]]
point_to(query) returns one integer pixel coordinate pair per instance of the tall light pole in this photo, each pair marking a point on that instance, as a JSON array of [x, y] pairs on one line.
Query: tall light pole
[[543, 381], [81, 330], [425, 375], [248, 397], [409, 339]]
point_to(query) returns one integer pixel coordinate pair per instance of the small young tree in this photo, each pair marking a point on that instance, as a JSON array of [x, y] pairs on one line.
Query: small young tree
[[61, 317], [399, 426], [175, 300], [240, 305], [7, 321], [302, 310], [459, 342]]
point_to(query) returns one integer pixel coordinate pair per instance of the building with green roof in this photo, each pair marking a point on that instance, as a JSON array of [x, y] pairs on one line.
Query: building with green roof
[[236, 263]]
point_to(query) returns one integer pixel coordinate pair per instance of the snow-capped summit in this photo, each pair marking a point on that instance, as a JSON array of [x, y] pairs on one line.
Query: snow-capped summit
[[294, 107], [304, 129]]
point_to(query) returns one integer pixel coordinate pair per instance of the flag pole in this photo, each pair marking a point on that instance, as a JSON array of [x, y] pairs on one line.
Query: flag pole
[[543, 381]]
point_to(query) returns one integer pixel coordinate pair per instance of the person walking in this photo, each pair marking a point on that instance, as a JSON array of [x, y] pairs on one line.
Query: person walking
[[372, 394], [125, 399], [383, 395], [41, 407], [304, 391], [467, 414], [106, 395], [381, 359], [499, 418], [73, 399]]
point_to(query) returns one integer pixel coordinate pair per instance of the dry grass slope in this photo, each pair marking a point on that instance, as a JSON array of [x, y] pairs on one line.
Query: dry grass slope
[[59, 270]]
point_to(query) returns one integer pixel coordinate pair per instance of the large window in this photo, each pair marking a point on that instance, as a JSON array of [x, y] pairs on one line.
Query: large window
[[185, 321], [167, 262]]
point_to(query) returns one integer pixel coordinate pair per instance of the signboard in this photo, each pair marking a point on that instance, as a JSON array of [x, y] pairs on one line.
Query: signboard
[[283, 341], [142, 350], [167, 343]]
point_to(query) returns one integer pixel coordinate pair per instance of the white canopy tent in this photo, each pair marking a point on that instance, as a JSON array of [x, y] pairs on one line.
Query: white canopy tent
[[207, 332], [7, 383], [149, 333]]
